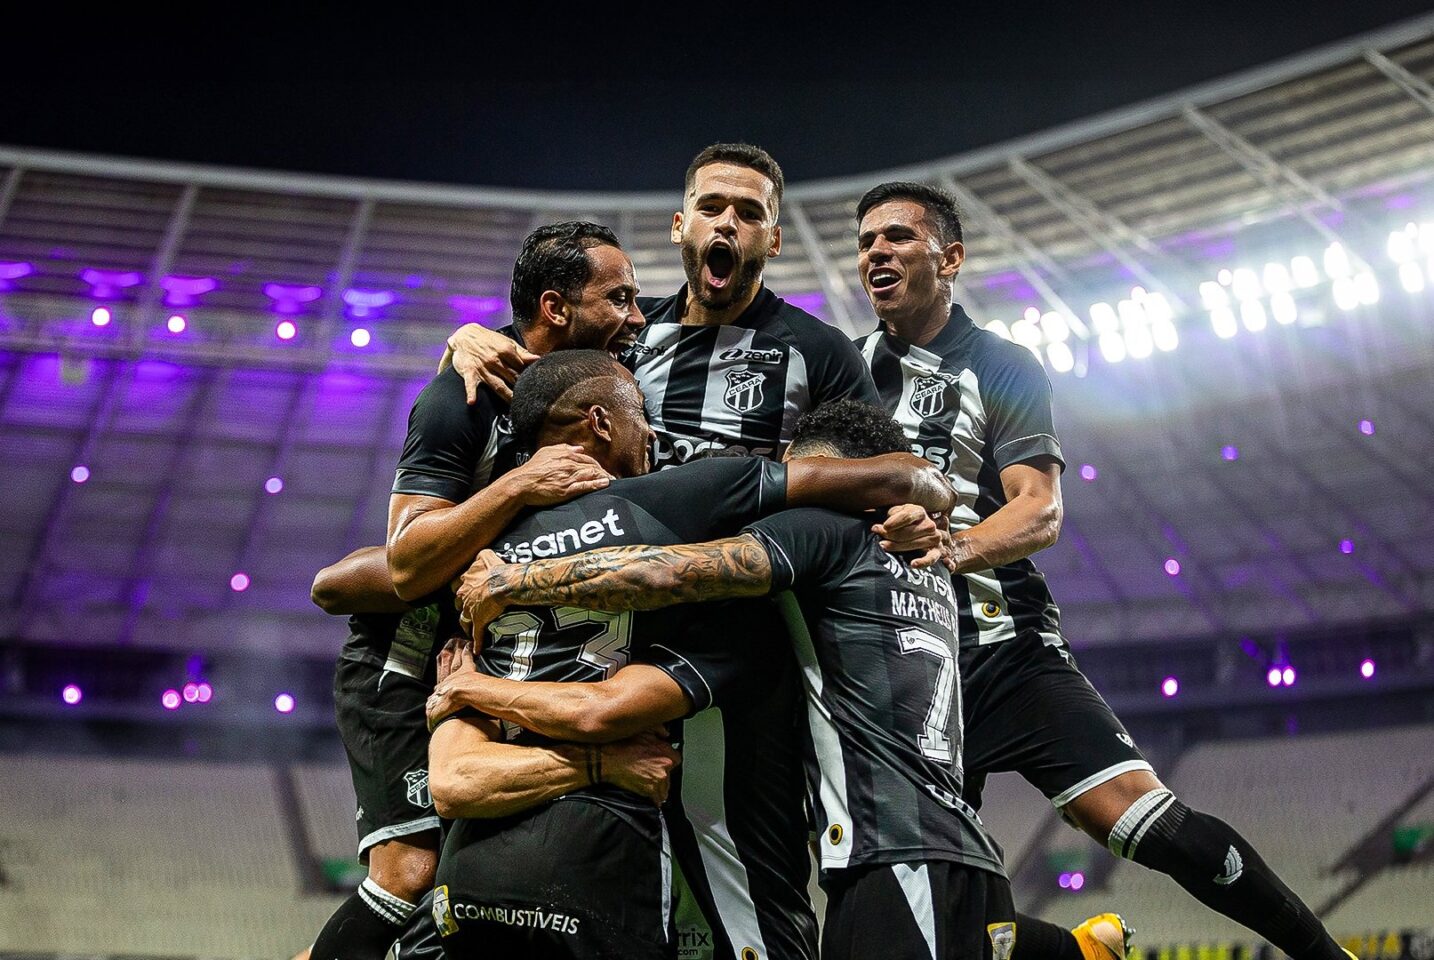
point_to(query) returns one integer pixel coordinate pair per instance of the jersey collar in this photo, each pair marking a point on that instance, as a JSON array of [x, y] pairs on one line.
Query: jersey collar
[[764, 304], [957, 327]]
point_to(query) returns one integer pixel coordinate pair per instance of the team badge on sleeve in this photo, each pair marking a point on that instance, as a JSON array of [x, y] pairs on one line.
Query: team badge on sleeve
[[744, 390], [1003, 939]]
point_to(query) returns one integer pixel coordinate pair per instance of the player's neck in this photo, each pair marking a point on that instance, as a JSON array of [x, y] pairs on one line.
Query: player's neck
[[542, 340], [695, 314], [921, 329]]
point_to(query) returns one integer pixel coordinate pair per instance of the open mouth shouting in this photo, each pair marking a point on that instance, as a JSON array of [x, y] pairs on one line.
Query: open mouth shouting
[[882, 281], [720, 265]]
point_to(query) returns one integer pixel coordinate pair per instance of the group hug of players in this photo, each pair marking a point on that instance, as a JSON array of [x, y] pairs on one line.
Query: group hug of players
[[737, 588]]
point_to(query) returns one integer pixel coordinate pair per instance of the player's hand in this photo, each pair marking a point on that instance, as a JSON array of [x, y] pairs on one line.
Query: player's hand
[[557, 473], [642, 765], [451, 693], [483, 356], [910, 529], [458, 655], [474, 597]]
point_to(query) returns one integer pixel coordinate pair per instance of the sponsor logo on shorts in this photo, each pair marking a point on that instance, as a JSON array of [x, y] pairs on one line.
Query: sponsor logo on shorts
[[533, 918], [417, 781], [1234, 866], [693, 943], [744, 390], [1003, 939], [443, 912]]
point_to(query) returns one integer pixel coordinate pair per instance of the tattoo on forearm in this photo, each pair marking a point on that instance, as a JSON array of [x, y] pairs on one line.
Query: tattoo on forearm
[[642, 578]]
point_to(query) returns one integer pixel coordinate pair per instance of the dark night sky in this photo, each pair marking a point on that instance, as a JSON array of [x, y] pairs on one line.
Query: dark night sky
[[530, 95]]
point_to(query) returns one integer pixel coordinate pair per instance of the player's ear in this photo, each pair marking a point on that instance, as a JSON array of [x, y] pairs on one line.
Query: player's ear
[[776, 248], [677, 227], [952, 256], [600, 422], [553, 309]]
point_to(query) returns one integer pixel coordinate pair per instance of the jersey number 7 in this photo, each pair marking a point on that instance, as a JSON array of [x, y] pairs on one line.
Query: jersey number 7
[[933, 741]]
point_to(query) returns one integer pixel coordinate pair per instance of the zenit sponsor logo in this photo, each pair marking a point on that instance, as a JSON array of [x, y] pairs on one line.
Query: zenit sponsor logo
[[563, 542], [752, 356]]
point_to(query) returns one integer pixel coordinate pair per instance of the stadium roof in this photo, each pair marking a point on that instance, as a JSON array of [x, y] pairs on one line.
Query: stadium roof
[[1239, 347]]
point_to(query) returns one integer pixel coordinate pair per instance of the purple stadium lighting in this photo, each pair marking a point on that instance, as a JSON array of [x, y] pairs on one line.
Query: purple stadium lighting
[[239, 582], [1346, 547], [1230, 452], [170, 699], [1172, 567], [413, 281], [284, 703], [273, 484], [290, 298], [1088, 472], [186, 291], [72, 694], [1077, 880], [471, 308], [810, 302], [80, 474], [1169, 687], [176, 324], [286, 330], [1273, 677], [1366, 668], [107, 283], [360, 337], [205, 692], [190, 692], [12, 270], [101, 316], [363, 302], [1287, 676], [1366, 427], [1064, 880]]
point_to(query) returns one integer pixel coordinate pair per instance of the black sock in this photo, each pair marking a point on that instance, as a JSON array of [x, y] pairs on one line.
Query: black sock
[[1219, 868], [364, 926], [1040, 940]]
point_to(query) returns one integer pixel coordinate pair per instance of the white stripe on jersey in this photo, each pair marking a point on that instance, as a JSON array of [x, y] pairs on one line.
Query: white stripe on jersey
[[653, 378], [717, 417], [825, 742], [963, 466], [483, 472], [666, 877], [704, 793], [795, 404], [916, 885]]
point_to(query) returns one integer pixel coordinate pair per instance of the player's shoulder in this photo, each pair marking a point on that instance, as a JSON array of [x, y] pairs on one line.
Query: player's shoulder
[[659, 309], [796, 325], [993, 353], [445, 396]]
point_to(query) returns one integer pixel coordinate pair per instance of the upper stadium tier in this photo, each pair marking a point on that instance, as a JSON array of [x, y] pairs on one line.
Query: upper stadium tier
[[1231, 288]]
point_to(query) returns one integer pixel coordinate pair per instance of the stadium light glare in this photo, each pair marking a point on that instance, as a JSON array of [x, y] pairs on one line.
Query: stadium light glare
[[1213, 296], [1411, 277], [206, 692], [1172, 567], [1223, 322], [1402, 244], [1169, 687], [1366, 668], [274, 485], [1031, 314], [1055, 327], [1336, 262], [1088, 473], [1077, 880], [170, 699], [1426, 237], [1346, 297], [1245, 284], [286, 330], [1163, 331], [186, 291], [1366, 289], [1112, 347], [176, 324], [360, 337], [1303, 272], [80, 473], [1277, 278], [1138, 342], [284, 703], [1252, 314], [1366, 427], [1225, 277], [190, 692], [1346, 546], [1060, 356], [1272, 677], [1023, 331], [290, 298], [1157, 308], [1283, 309], [1287, 676], [999, 329], [1103, 318], [239, 582], [1230, 452], [101, 316], [72, 694], [1064, 880]]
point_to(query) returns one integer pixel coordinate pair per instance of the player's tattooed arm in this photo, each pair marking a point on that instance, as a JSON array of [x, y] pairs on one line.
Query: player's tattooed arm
[[618, 578]]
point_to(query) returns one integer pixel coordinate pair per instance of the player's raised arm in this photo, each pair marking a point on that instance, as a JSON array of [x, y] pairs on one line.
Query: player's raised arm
[[868, 484], [484, 357], [359, 583]]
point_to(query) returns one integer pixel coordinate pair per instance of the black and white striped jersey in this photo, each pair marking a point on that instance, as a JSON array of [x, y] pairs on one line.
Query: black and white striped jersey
[[876, 642], [736, 816], [974, 404], [741, 385]]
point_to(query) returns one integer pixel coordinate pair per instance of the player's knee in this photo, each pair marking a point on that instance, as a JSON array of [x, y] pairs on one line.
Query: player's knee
[[403, 869], [1139, 816]]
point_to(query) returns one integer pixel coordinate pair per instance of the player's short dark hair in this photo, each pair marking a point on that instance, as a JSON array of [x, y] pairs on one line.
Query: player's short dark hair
[[741, 155], [545, 382], [941, 213], [849, 428], [554, 257]]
